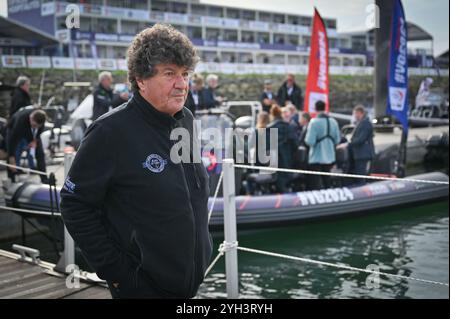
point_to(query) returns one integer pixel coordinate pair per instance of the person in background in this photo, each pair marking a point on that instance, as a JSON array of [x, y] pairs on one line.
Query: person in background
[[267, 97], [211, 100], [20, 95], [261, 125], [322, 137], [290, 93], [104, 98], [24, 130], [196, 96], [361, 146], [286, 114], [287, 146], [260, 132], [304, 120]]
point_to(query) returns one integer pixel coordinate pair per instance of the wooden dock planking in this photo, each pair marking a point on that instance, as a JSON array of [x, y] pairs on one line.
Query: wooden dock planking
[[30, 281]]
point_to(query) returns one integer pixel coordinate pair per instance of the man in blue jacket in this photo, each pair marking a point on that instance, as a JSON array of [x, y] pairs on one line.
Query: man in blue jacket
[[138, 214], [361, 147]]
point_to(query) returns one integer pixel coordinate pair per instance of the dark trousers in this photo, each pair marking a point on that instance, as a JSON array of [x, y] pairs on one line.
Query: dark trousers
[[40, 160], [359, 167], [315, 182]]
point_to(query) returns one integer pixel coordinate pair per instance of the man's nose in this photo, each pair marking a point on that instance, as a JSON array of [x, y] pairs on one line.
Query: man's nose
[[181, 82]]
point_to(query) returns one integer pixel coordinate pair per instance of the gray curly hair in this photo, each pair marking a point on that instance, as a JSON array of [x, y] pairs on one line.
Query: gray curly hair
[[160, 44]]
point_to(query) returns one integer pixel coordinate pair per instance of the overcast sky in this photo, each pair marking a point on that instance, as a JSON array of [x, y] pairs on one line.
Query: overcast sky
[[432, 15]]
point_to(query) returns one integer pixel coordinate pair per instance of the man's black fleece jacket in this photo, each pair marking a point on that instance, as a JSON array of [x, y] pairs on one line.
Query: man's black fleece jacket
[[140, 219]]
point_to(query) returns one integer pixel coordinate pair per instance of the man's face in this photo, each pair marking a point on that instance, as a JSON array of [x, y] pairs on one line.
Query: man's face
[[290, 80], [358, 115], [33, 124], [26, 87], [198, 85], [107, 82], [268, 87], [303, 121], [286, 114], [213, 83], [168, 89]]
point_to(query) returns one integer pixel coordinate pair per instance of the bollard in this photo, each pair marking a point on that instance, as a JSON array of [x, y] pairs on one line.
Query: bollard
[[229, 200]]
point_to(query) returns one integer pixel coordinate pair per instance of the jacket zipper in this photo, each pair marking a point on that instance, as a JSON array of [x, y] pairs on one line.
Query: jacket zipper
[[194, 266]]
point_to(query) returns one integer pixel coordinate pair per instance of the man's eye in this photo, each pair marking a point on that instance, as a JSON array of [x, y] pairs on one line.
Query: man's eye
[[169, 74]]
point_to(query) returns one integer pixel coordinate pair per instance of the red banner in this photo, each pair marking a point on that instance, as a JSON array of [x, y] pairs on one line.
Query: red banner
[[317, 85]]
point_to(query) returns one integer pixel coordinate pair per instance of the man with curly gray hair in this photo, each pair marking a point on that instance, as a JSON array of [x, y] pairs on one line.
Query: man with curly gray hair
[[141, 219]]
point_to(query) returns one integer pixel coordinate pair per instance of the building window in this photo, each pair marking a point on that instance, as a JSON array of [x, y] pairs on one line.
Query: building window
[[331, 24], [293, 39], [233, 13], [228, 57], [245, 58], [263, 38], [248, 15], [178, 7], [265, 17], [212, 34], [161, 6], [333, 43], [248, 37], [132, 4], [279, 18], [293, 20], [294, 60], [305, 21], [335, 61], [194, 32], [279, 39], [230, 35], [215, 12], [307, 41], [198, 10], [209, 56]]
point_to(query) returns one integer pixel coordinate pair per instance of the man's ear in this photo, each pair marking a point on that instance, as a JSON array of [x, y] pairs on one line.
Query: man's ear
[[140, 84]]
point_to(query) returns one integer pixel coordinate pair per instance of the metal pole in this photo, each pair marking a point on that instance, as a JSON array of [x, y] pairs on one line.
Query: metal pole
[[69, 245], [382, 44], [68, 257], [229, 202]]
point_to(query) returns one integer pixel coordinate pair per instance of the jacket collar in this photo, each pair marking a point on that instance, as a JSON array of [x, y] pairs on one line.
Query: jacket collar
[[154, 116]]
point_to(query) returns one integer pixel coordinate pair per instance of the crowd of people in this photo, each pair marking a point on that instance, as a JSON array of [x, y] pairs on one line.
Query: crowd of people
[[26, 122], [311, 141], [304, 142]]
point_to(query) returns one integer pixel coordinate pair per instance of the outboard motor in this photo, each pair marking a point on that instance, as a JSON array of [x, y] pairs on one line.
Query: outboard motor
[[437, 152]]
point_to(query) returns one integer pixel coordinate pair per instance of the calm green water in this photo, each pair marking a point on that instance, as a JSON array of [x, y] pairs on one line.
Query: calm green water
[[413, 242]]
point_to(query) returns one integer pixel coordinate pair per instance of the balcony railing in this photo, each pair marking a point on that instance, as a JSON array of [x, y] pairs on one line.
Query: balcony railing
[[186, 19]]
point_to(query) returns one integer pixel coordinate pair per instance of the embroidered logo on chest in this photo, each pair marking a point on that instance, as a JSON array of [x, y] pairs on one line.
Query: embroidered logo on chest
[[155, 163]]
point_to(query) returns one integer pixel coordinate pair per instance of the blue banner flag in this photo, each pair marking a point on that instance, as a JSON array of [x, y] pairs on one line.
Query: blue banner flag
[[397, 101]]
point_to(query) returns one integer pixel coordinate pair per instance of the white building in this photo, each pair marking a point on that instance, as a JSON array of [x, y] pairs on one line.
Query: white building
[[222, 34]]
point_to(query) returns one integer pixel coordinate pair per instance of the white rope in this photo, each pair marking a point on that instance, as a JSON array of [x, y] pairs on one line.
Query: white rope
[[379, 178], [322, 263], [220, 254], [223, 248], [28, 211], [23, 168], [219, 183]]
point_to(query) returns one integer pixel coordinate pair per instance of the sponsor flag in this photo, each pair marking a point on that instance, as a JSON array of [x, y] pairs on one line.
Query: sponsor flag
[[317, 85], [397, 101]]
